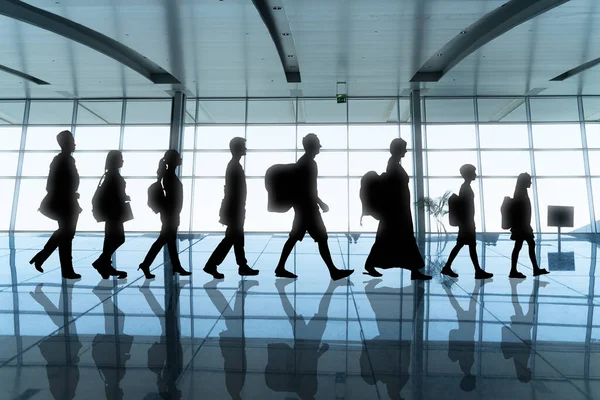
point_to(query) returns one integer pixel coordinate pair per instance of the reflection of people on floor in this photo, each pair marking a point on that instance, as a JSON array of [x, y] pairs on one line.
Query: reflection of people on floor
[[461, 341], [61, 351], [294, 369], [110, 350], [519, 348], [232, 340], [170, 341], [386, 357]]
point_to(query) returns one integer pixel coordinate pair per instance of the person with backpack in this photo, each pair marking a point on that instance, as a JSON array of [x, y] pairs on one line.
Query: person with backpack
[[111, 203], [307, 217], [466, 225], [521, 230], [169, 205], [233, 213], [395, 244], [61, 204]]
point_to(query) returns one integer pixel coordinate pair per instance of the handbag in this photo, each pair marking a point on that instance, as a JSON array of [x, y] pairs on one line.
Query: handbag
[[127, 214], [47, 208], [98, 201]]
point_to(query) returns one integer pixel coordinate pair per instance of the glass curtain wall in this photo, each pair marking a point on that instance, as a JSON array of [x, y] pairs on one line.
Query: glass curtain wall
[[555, 139]]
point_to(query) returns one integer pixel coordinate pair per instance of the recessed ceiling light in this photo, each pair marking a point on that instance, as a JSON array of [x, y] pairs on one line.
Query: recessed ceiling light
[[290, 55], [276, 8], [285, 34], [292, 67], [439, 54], [463, 32]]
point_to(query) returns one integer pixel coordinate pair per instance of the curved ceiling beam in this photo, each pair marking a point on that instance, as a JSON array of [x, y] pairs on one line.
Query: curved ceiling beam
[[79, 33], [23, 75], [276, 21], [483, 31], [577, 70]]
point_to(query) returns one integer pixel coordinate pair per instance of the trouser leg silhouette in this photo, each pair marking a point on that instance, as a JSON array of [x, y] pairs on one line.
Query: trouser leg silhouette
[[234, 237], [62, 239], [114, 237]]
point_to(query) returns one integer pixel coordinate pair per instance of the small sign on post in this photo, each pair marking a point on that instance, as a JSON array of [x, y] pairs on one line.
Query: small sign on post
[[561, 217]]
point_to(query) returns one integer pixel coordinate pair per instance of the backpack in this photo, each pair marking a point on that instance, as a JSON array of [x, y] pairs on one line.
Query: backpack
[[454, 210], [281, 187], [98, 201], [372, 194], [506, 211], [156, 197]]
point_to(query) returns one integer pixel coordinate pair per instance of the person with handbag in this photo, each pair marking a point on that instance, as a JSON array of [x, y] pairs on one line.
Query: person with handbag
[[169, 202], [111, 204], [61, 204], [232, 214]]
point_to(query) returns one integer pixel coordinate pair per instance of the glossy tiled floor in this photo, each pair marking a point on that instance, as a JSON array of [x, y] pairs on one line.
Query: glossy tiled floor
[[310, 338]]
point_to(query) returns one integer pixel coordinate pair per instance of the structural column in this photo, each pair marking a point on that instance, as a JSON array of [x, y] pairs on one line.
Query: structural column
[[415, 111], [177, 121]]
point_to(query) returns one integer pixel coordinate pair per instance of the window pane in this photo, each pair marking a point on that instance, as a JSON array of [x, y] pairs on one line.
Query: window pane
[[563, 136], [97, 138], [334, 192], [258, 162], [31, 193], [596, 194], [332, 163], [554, 109], [271, 111], [221, 111], [258, 219], [217, 137], [592, 133], [8, 164], [37, 164], [148, 112], [146, 138], [212, 164], [10, 138], [449, 110], [448, 163], [558, 163], [11, 112], [503, 136], [372, 136], [406, 134], [332, 137], [43, 138], [190, 111], [379, 111], [494, 191], [594, 157], [7, 188], [317, 111], [591, 108], [505, 163], [140, 164], [502, 110], [451, 136], [99, 112], [187, 166], [144, 218], [271, 137], [564, 192], [363, 162], [208, 196], [188, 137], [51, 112], [90, 164], [186, 218]]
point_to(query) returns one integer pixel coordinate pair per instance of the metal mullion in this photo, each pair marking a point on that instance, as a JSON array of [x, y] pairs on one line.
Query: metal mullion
[[74, 116], [348, 170], [532, 161], [479, 179], [590, 316], [586, 165], [194, 155], [13, 216]]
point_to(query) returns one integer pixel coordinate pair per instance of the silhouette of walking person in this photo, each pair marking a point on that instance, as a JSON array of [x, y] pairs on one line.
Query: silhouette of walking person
[[307, 217], [466, 227], [386, 357], [111, 350], [519, 348], [170, 209], [117, 211], [61, 351], [461, 341], [395, 244], [233, 213], [232, 340], [165, 358], [521, 230], [294, 369], [61, 205]]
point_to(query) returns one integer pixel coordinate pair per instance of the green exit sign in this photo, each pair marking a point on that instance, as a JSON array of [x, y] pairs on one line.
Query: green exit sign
[[341, 98]]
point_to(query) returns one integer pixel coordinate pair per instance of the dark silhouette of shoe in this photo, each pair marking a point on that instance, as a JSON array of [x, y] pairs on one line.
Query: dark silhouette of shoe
[[71, 275], [179, 270], [212, 270], [448, 272], [284, 273], [102, 269], [540, 271], [247, 271], [112, 271], [481, 274], [146, 270], [37, 263], [341, 274], [517, 275], [372, 272], [416, 275]]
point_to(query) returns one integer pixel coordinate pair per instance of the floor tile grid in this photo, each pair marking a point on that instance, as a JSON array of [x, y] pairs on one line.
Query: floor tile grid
[[120, 288]]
